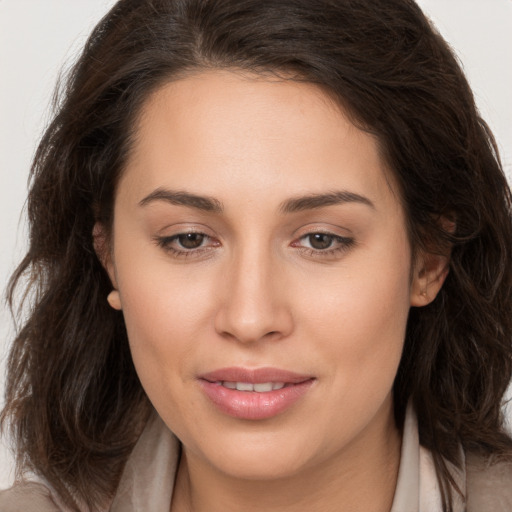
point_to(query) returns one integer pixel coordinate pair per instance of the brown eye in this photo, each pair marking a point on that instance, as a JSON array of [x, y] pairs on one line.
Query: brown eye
[[320, 241], [191, 240]]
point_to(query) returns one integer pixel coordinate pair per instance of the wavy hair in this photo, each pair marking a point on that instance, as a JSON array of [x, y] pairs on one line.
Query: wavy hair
[[73, 400]]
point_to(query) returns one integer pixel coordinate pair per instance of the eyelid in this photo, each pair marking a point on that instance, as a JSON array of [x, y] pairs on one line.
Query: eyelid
[[169, 242], [342, 244], [340, 238], [325, 227], [179, 228], [166, 241]]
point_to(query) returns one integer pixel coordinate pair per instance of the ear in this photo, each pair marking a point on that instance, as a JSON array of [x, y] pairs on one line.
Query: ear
[[429, 273], [431, 268], [103, 250]]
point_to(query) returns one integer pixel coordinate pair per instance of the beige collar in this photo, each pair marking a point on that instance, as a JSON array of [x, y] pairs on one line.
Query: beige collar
[[417, 488]]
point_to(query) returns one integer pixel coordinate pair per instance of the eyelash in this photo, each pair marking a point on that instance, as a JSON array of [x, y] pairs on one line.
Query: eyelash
[[165, 242], [343, 245]]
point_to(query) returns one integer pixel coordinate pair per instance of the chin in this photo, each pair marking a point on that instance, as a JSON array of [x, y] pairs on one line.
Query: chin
[[262, 466], [260, 457]]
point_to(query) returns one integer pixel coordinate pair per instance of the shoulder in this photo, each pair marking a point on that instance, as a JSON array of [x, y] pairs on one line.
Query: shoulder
[[489, 484], [27, 497]]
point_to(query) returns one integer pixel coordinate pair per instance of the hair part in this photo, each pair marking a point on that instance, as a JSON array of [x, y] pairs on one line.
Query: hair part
[[73, 399]]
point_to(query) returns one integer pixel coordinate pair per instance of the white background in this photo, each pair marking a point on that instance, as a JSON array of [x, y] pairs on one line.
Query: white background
[[39, 37]]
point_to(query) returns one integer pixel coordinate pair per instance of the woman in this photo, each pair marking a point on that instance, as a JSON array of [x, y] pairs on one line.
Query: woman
[[270, 259]]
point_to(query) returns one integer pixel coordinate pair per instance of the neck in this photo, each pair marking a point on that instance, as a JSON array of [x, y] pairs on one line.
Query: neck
[[360, 478]]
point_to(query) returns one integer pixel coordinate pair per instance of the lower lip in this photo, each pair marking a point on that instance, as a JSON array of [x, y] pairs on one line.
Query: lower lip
[[251, 405]]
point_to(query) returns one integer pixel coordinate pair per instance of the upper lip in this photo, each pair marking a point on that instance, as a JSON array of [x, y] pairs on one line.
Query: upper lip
[[254, 376]]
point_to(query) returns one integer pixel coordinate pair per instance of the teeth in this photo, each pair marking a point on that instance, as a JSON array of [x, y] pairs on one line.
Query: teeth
[[263, 387], [244, 386]]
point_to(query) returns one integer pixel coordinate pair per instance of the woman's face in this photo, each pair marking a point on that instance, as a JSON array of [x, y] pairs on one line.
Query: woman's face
[[259, 244]]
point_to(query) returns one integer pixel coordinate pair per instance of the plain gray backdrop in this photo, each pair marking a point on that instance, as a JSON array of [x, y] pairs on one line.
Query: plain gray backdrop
[[40, 37]]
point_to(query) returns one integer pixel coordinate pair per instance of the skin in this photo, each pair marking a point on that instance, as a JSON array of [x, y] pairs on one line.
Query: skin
[[255, 294]]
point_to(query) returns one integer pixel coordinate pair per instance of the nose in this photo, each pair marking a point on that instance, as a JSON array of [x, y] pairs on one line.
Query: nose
[[254, 303]]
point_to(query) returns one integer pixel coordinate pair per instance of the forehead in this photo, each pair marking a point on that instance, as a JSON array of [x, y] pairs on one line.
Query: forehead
[[216, 130]]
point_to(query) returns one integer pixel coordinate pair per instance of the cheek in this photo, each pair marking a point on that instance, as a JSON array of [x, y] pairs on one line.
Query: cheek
[[167, 310], [165, 322], [359, 320]]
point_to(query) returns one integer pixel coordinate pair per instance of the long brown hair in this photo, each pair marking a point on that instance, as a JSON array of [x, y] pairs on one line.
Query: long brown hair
[[74, 402]]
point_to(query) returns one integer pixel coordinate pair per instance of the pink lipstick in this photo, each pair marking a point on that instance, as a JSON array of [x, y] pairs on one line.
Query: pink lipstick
[[254, 394]]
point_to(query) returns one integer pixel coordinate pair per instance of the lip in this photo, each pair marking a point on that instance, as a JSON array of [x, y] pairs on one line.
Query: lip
[[254, 376], [250, 405]]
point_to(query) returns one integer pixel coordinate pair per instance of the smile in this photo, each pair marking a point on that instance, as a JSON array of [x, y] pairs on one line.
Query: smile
[[254, 394]]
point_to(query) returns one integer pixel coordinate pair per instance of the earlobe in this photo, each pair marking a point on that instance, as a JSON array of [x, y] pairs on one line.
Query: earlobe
[[114, 300], [429, 275]]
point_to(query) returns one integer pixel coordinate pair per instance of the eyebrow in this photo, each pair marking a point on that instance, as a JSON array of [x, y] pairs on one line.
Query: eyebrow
[[298, 204], [180, 198], [313, 201]]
